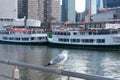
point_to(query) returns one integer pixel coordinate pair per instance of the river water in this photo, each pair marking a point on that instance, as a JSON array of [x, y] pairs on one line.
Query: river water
[[103, 63]]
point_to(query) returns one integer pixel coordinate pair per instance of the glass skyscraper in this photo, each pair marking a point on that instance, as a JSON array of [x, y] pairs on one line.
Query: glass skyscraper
[[68, 10], [111, 3], [94, 6]]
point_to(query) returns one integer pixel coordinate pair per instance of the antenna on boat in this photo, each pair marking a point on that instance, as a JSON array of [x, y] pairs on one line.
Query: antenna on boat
[[25, 22], [89, 11]]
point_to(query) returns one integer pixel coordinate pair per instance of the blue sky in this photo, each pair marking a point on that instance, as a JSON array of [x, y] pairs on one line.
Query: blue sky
[[80, 5]]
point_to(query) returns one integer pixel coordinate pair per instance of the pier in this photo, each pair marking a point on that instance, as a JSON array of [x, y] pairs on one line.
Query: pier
[[51, 70]]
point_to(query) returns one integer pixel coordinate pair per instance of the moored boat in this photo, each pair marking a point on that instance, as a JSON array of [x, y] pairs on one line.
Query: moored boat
[[18, 32], [92, 35]]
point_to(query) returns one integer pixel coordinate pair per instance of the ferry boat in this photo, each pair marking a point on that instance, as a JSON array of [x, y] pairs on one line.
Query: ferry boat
[[18, 32], [92, 35]]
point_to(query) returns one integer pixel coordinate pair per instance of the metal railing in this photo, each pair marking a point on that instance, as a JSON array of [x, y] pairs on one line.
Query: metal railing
[[55, 71]]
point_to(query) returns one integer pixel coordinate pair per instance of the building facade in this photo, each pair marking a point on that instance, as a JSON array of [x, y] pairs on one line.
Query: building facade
[[68, 10], [56, 10], [111, 3], [93, 5], [108, 13], [35, 9], [80, 17], [22, 8], [8, 9], [52, 10], [44, 10]]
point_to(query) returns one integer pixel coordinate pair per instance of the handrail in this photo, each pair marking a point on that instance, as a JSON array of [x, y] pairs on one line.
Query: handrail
[[55, 71]]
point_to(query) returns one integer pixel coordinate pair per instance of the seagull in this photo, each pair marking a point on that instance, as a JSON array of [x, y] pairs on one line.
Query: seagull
[[59, 59]]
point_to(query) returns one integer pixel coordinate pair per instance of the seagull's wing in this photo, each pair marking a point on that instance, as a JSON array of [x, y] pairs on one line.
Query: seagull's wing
[[57, 59]]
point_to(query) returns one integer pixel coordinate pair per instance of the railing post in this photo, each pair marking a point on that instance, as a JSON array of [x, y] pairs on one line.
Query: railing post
[[68, 78], [16, 74]]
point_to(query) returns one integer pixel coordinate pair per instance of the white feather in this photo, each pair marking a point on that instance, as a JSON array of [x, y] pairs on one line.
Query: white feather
[[60, 59]]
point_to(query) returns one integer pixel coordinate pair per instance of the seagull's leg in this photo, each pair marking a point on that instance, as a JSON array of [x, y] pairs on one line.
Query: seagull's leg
[[59, 66]]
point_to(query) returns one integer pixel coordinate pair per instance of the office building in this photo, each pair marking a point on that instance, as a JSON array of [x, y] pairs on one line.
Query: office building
[[22, 8], [94, 6], [56, 10], [8, 9], [52, 10], [111, 3], [35, 9], [80, 17], [44, 10], [68, 10]]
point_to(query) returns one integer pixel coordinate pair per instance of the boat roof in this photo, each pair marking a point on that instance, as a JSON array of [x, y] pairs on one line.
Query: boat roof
[[19, 30]]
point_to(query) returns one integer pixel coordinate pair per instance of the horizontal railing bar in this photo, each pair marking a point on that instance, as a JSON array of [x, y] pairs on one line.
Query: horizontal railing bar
[[55, 71], [6, 76]]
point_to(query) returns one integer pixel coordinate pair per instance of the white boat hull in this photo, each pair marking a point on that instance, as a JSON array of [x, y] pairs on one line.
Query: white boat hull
[[112, 42], [23, 38]]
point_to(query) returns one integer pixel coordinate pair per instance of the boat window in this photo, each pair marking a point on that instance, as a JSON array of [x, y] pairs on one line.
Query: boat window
[[65, 33], [39, 38], [61, 33], [97, 25], [66, 40], [43, 37], [17, 38], [25, 39], [55, 33], [59, 39], [63, 40], [11, 38], [86, 26], [75, 40], [91, 40], [92, 26], [46, 38], [5, 38], [78, 40], [82, 33], [72, 40], [74, 33], [87, 40], [32, 38], [114, 32], [90, 33], [103, 32], [94, 33], [100, 40], [68, 33], [102, 25]]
